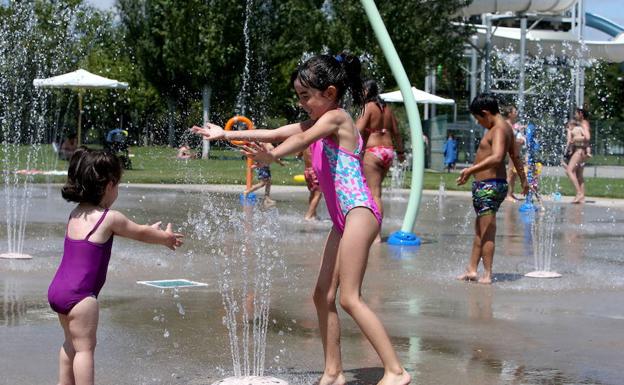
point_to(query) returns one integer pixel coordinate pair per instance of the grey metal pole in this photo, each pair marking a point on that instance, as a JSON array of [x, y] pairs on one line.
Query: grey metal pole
[[433, 90], [523, 32], [580, 98], [473, 69], [581, 69], [488, 52], [428, 90], [207, 91], [473, 94]]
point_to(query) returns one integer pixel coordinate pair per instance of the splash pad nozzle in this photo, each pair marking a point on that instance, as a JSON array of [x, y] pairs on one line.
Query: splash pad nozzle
[[250, 380], [403, 238], [247, 199], [528, 206], [543, 274], [15, 256]]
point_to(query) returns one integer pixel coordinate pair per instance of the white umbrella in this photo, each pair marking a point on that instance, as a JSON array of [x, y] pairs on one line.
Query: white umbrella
[[79, 80], [420, 96]]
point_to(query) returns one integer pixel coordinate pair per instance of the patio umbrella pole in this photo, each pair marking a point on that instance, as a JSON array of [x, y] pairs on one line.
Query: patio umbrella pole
[[79, 117]]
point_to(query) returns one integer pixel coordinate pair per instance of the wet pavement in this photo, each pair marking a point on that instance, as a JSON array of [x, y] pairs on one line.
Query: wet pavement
[[518, 331]]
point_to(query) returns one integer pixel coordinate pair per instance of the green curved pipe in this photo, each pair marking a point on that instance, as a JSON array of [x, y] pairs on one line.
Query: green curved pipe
[[413, 117]]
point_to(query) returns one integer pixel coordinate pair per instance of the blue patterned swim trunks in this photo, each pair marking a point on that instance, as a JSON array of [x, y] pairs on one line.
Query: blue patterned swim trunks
[[263, 173], [487, 195]]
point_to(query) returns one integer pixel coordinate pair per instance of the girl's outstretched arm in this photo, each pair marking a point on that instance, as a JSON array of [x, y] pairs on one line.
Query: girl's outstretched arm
[[124, 227], [326, 125], [215, 132]]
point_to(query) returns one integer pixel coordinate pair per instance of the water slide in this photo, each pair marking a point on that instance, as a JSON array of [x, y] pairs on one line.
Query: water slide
[[548, 41], [478, 7]]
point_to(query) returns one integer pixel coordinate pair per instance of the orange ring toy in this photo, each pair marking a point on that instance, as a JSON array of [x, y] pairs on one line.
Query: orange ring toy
[[250, 126], [242, 119]]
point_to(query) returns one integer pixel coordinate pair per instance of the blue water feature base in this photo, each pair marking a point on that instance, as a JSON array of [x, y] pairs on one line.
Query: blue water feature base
[[248, 199], [403, 238], [528, 207], [171, 283]]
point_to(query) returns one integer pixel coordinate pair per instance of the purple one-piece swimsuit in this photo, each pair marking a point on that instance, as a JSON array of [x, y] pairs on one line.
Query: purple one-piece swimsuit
[[82, 272]]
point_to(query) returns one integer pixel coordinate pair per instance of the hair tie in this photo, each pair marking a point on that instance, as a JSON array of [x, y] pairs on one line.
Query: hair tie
[[339, 58]]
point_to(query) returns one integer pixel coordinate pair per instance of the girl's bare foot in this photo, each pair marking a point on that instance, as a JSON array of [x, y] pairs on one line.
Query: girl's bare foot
[[395, 379], [268, 202], [579, 199], [326, 379], [485, 280], [467, 277]]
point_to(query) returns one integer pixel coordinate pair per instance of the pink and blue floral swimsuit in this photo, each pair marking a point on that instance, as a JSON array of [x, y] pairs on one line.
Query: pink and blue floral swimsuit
[[341, 178]]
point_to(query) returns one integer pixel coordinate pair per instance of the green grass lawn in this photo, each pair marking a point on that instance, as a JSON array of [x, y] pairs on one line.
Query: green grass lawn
[[159, 165], [606, 160]]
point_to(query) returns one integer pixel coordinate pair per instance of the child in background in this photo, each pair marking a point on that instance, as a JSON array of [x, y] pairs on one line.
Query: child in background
[[489, 188], [263, 173], [184, 152], [450, 152], [313, 186], [510, 113], [92, 182], [336, 148]]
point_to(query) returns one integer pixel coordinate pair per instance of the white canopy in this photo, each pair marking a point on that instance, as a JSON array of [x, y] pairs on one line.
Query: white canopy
[[420, 96], [79, 79]]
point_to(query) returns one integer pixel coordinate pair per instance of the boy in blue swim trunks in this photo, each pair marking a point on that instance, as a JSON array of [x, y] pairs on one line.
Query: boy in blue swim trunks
[[263, 174], [489, 188]]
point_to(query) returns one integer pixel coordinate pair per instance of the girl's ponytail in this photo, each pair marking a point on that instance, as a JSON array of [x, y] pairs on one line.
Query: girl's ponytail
[[371, 93], [353, 69], [341, 71]]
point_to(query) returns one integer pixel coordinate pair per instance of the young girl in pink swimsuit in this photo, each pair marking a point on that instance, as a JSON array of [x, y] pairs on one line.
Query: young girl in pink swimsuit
[[92, 182], [336, 148]]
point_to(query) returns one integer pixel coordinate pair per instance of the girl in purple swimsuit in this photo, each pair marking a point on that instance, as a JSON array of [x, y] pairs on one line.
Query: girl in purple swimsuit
[[336, 148], [92, 182]]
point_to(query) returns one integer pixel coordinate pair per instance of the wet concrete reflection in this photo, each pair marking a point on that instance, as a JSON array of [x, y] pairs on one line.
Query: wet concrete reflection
[[13, 304], [517, 331]]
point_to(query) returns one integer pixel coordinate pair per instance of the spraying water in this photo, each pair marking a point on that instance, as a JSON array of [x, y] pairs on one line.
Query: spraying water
[[542, 230], [397, 175], [244, 94], [21, 120], [242, 253]]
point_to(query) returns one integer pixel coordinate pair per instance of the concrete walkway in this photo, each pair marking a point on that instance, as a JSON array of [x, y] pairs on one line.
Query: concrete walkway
[[283, 192], [614, 172]]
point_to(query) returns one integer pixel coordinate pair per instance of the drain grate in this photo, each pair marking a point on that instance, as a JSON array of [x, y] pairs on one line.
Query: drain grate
[[172, 283]]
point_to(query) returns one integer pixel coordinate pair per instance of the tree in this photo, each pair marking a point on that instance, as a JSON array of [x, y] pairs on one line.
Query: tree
[[604, 95], [40, 39], [183, 46], [422, 32]]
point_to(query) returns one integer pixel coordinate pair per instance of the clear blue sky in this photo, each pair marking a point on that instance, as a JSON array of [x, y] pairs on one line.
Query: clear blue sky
[[611, 9]]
